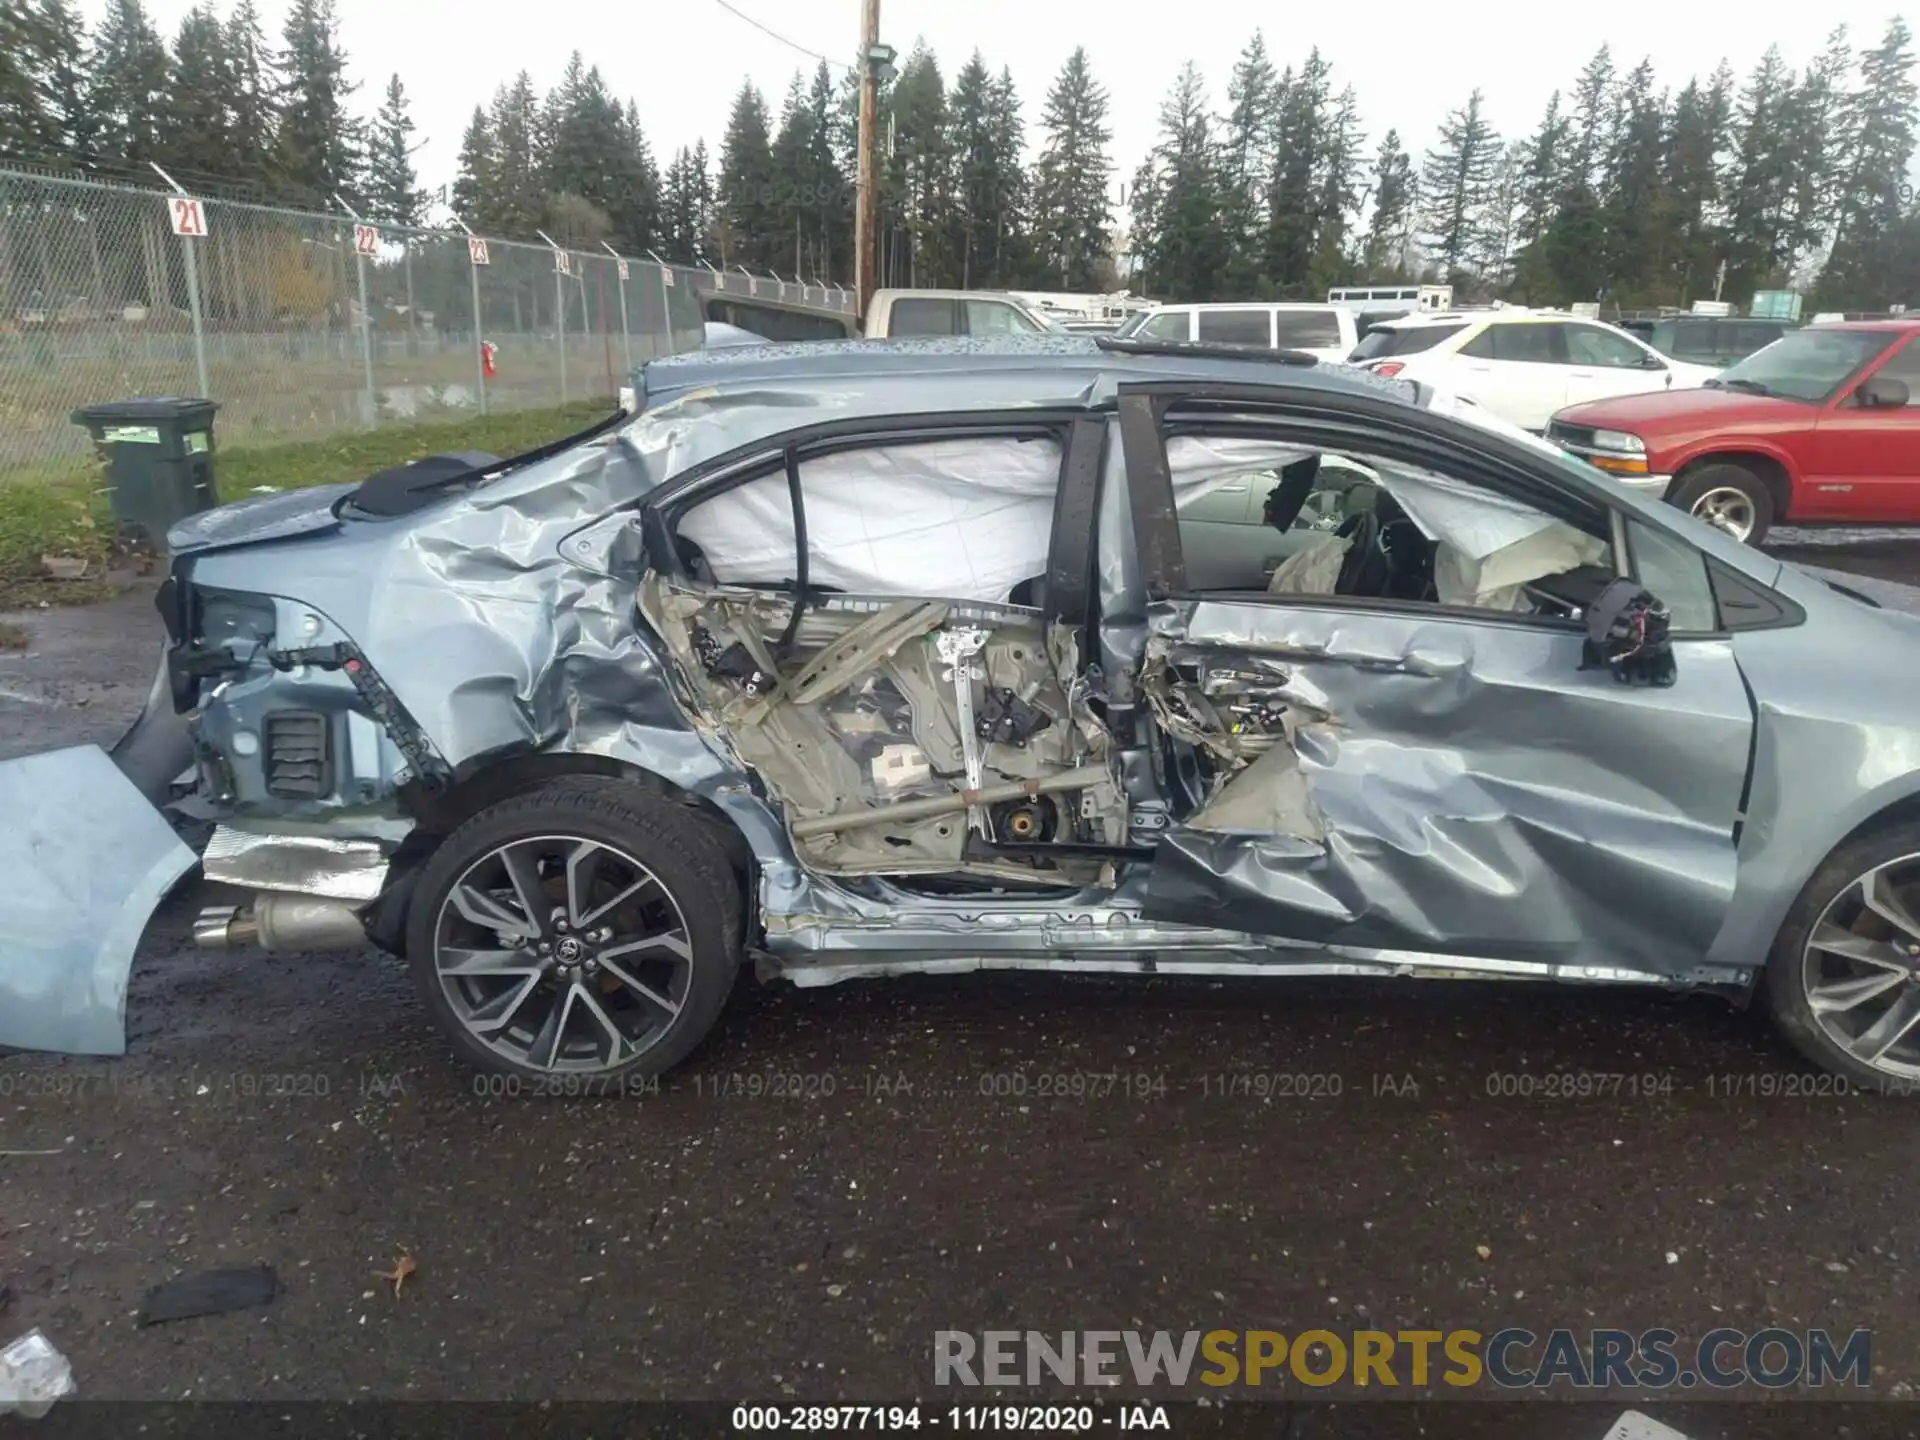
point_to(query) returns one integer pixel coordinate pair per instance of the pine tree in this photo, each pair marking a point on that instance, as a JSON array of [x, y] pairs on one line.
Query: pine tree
[[987, 178], [1292, 205], [1013, 225], [829, 198], [1633, 199], [1247, 155], [706, 204], [1336, 193], [393, 185], [196, 138], [1817, 124], [594, 164], [320, 145], [1456, 186], [514, 203], [1072, 218], [636, 214], [1539, 185], [27, 127], [475, 175], [1383, 253], [1176, 225], [1493, 258], [918, 174], [792, 144], [1761, 220], [1574, 247], [745, 208], [252, 108], [127, 85], [1873, 247]]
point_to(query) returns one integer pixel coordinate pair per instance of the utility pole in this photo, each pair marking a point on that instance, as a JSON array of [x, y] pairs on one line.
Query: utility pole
[[872, 57]]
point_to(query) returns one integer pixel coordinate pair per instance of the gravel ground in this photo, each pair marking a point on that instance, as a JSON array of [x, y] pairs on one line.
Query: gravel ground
[[840, 1173]]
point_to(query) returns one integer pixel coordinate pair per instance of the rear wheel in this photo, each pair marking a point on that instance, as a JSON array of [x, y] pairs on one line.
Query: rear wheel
[[1843, 981], [576, 933], [1729, 497]]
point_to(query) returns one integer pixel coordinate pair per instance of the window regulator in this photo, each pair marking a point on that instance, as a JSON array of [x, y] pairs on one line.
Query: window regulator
[[957, 649]]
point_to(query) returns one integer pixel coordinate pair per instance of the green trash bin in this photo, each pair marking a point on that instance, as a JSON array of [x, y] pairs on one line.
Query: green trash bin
[[159, 461]]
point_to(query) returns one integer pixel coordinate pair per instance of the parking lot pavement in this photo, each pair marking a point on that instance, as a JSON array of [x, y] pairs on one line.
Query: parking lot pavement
[[840, 1173]]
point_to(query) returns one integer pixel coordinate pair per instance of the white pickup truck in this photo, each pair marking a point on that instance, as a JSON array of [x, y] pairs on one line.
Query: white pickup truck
[[951, 312]]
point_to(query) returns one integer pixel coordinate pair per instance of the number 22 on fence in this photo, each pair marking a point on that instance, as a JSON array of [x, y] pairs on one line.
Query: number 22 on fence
[[188, 217], [366, 241], [477, 250]]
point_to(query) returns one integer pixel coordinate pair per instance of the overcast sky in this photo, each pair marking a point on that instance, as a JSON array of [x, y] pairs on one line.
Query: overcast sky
[[683, 61]]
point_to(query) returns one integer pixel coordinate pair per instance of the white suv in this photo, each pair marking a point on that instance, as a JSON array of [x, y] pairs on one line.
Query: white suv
[[1326, 332], [1523, 365]]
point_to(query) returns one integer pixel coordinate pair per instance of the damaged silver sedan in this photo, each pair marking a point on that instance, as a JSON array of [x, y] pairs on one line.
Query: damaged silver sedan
[[865, 659]]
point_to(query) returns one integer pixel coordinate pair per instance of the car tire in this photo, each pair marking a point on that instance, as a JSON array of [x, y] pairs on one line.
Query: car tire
[[1728, 496], [625, 972], [1881, 936]]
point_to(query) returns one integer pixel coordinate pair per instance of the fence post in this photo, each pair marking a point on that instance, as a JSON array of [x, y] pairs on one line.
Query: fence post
[[620, 275], [193, 294], [366, 316], [476, 257], [559, 310]]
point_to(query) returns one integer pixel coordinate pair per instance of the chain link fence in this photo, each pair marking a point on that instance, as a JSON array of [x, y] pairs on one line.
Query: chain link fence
[[306, 325]]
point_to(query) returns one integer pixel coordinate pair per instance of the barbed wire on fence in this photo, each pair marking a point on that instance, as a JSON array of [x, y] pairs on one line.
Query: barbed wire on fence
[[306, 324]]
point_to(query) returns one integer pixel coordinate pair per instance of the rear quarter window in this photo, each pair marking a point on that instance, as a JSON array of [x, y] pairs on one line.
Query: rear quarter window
[[1403, 340]]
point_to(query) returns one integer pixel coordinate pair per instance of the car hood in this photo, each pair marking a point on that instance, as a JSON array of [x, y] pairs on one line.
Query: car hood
[[1684, 409], [263, 517]]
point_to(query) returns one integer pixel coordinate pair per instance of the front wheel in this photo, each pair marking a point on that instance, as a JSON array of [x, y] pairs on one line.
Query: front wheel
[[1843, 981], [576, 933], [1728, 497]]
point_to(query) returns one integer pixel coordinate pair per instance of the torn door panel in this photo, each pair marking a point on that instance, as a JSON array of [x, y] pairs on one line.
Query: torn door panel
[[858, 734], [1415, 783]]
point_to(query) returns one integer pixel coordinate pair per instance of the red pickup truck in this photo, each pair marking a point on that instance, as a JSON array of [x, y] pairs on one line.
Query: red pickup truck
[[1820, 427]]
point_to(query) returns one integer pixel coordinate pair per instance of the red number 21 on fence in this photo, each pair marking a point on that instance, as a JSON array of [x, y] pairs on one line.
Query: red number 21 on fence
[[188, 217]]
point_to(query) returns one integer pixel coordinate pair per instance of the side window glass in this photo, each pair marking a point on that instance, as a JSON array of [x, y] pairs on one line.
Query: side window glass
[[1904, 365], [1528, 344], [1589, 345], [1480, 347], [994, 317], [1676, 573], [1307, 329], [1168, 325], [921, 317], [1237, 327]]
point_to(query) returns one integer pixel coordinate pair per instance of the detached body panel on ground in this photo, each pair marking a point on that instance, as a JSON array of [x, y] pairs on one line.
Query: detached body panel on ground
[[854, 659]]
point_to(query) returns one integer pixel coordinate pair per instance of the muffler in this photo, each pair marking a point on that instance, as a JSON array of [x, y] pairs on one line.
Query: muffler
[[281, 922]]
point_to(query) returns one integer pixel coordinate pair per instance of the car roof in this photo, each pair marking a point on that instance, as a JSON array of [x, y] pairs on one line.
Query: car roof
[[1247, 305], [1894, 322], [1509, 315], [934, 371]]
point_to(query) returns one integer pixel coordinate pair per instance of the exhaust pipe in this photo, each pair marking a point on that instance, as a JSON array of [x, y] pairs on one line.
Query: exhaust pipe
[[281, 922]]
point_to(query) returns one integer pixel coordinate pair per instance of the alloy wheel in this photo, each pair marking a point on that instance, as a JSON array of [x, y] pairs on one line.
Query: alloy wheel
[[1728, 509], [563, 954], [1860, 969]]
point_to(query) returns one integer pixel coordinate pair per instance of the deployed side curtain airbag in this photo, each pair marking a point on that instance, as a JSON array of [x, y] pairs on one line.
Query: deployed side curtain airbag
[[955, 519], [1488, 546]]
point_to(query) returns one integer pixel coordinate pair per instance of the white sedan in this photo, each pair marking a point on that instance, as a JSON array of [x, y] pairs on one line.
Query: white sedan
[[1523, 365]]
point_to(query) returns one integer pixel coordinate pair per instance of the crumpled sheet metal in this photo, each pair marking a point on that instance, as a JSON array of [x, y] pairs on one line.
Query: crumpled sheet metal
[[335, 869], [1469, 806], [73, 909]]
